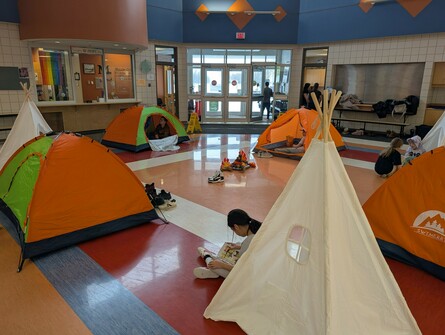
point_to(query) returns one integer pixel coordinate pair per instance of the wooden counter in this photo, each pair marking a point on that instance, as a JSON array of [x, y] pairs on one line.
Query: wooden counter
[[82, 117]]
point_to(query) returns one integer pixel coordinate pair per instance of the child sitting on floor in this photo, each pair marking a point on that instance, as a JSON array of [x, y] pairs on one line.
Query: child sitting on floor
[[242, 225], [389, 159], [415, 149]]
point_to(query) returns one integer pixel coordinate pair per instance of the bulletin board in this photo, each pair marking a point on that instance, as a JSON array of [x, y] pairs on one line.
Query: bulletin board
[[10, 78]]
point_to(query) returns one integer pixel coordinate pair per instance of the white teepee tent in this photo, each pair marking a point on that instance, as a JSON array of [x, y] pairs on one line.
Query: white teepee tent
[[336, 281], [28, 124], [436, 136]]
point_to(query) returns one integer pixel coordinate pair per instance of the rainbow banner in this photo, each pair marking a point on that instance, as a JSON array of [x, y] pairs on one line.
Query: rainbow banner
[[52, 68]]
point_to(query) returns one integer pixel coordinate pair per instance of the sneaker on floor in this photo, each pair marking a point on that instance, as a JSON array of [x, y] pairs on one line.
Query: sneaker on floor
[[264, 154], [170, 203], [150, 190], [157, 201], [165, 195], [218, 177], [204, 273]]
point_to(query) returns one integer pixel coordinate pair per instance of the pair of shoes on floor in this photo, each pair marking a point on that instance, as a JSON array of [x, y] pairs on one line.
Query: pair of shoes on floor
[[358, 132], [264, 154], [204, 273], [163, 200], [391, 134], [218, 177]]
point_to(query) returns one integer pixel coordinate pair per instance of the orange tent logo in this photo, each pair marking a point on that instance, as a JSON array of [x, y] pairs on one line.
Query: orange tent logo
[[431, 224]]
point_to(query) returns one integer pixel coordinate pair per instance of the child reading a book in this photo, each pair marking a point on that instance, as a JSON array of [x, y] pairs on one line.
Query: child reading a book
[[220, 265]]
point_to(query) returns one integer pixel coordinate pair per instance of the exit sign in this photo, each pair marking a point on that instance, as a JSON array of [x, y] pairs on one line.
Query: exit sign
[[240, 36]]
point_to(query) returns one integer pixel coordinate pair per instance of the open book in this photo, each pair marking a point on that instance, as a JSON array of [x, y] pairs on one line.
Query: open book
[[227, 254]]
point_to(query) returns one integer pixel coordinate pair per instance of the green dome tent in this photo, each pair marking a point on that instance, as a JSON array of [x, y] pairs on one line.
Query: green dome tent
[[128, 130]]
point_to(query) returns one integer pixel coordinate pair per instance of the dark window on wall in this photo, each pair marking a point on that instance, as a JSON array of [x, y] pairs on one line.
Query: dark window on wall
[[315, 62]]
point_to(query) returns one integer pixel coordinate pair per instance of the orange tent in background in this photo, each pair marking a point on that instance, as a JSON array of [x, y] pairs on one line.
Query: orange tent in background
[[291, 124], [407, 213], [64, 190], [128, 130]]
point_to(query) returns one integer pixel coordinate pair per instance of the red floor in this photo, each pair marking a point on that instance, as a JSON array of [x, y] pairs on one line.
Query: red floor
[[155, 262]]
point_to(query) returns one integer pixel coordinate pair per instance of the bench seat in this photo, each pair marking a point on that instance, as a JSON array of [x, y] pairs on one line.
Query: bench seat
[[402, 125]]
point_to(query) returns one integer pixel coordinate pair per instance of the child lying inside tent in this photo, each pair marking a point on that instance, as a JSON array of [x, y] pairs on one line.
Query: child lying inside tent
[[220, 265], [296, 148], [415, 149]]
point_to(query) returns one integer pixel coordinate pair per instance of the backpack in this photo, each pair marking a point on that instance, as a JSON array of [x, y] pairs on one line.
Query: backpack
[[380, 109], [412, 103]]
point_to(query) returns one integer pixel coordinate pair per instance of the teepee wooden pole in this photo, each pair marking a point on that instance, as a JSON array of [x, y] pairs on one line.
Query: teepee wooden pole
[[320, 115], [26, 90], [325, 115], [317, 105]]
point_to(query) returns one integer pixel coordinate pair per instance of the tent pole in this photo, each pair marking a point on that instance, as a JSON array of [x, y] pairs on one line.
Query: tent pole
[[162, 213], [21, 261]]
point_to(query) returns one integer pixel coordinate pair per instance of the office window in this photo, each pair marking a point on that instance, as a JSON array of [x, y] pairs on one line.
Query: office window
[[119, 76], [52, 74]]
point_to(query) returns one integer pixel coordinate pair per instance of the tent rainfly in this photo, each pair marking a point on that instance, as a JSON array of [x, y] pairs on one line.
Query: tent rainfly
[[314, 267], [64, 190], [407, 213], [28, 124]]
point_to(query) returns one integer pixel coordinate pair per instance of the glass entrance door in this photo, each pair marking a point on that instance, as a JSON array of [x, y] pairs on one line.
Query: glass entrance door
[[237, 96], [257, 91], [260, 75], [213, 94], [225, 94]]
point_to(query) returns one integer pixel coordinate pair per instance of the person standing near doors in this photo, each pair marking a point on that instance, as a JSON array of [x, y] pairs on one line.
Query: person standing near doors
[[267, 94], [318, 95]]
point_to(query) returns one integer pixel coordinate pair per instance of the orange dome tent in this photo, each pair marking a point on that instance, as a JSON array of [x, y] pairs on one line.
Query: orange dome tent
[[291, 124], [407, 213], [128, 130], [64, 190]]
